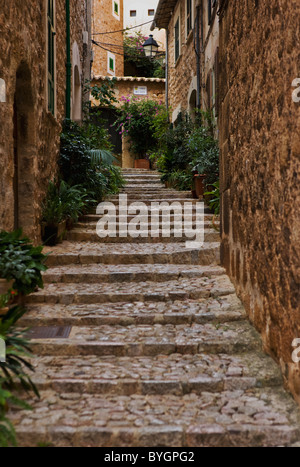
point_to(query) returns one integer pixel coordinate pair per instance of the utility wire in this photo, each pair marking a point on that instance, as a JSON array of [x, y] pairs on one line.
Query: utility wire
[[104, 48], [121, 30]]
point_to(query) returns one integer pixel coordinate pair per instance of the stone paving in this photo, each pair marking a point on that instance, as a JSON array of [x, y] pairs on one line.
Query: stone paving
[[159, 351]]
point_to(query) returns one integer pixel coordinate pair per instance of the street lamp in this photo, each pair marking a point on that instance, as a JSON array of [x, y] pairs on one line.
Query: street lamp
[[151, 47]]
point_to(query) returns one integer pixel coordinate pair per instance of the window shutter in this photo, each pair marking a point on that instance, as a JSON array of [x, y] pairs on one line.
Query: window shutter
[[208, 90], [209, 11], [217, 77]]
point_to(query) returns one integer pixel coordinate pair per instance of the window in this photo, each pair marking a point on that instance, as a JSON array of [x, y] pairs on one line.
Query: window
[[116, 9], [151, 12], [132, 13], [51, 57], [111, 63], [177, 39], [209, 11], [189, 21]]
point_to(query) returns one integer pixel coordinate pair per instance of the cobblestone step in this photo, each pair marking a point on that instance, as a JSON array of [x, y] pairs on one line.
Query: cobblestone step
[[158, 216], [149, 201], [176, 236], [158, 197], [208, 225], [213, 310], [146, 253], [241, 418], [181, 289], [152, 340], [163, 374], [93, 274]]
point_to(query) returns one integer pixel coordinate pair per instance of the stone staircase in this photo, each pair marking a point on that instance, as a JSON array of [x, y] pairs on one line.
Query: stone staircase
[[145, 343]]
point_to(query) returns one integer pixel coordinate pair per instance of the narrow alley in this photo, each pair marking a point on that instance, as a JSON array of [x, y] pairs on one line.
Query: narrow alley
[[145, 343]]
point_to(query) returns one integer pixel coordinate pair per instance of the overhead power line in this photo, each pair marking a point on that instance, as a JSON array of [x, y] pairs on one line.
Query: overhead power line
[[121, 30]]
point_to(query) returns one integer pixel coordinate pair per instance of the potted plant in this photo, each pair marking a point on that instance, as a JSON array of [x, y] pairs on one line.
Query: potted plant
[[5, 289], [142, 164], [198, 181], [54, 219], [21, 265]]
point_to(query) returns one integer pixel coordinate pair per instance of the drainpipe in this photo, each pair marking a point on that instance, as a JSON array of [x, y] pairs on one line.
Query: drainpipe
[[167, 68], [68, 62], [198, 55]]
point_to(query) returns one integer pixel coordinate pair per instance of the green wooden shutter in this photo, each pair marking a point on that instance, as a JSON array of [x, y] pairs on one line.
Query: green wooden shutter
[[177, 42]]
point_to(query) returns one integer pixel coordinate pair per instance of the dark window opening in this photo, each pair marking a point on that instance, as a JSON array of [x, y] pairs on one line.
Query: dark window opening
[[189, 25], [177, 40]]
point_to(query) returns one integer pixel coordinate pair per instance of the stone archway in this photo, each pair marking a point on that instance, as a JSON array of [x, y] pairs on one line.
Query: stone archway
[[24, 152], [76, 109], [76, 84], [192, 97]]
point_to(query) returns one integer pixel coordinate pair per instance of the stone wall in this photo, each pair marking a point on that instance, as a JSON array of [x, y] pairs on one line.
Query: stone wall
[[108, 44], [182, 73], [260, 168], [125, 87], [29, 133]]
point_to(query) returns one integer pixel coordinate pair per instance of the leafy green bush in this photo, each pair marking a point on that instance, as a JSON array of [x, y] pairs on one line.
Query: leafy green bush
[[21, 262], [82, 163], [135, 57], [188, 148], [136, 119], [13, 370], [214, 198], [64, 202]]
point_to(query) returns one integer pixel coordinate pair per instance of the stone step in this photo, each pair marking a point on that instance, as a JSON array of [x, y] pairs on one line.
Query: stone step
[[209, 219], [212, 310], [152, 201], [93, 274], [244, 418], [143, 340], [180, 289], [154, 197], [176, 236], [122, 253], [159, 375], [208, 225]]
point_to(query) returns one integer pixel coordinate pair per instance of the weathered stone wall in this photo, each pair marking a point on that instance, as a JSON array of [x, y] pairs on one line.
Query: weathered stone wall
[[105, 21], [182, 74], [260, 168], [125, 87], [23, 67]]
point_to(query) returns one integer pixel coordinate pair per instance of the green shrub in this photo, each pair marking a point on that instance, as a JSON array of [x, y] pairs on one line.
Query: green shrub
[[12, 372], [82, 163], [64, 202], [136, 119], [21, 262]]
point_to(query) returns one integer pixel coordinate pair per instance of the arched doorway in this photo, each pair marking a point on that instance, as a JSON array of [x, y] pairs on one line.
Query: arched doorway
[[24, 152], [77, 96], [193, 104]]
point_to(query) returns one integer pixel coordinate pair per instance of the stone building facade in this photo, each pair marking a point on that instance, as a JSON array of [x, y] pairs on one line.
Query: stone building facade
[[33, 61], [260, 168], [192, 29], [107, 29], [128, 86]]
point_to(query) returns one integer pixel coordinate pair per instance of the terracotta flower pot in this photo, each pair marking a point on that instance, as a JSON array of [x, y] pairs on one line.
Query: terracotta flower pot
[[199, 185], [142, 164], [53, 234], [5, 286]]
